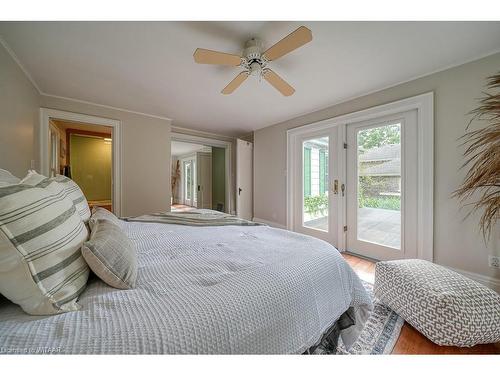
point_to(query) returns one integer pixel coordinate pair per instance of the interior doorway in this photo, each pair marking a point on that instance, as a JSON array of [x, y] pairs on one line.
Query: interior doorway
[[86, 149], [84, 154], [198, 176]]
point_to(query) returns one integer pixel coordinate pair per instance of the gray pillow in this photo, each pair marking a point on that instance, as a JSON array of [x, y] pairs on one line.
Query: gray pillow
[[111, 255], [99, 213]]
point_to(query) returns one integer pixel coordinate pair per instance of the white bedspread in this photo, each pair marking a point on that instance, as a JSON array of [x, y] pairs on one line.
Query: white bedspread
[[225, 289]]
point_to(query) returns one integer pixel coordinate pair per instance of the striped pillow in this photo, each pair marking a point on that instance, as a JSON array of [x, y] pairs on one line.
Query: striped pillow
[[41, 234], [111, 255], [71, 187], [99, 213]]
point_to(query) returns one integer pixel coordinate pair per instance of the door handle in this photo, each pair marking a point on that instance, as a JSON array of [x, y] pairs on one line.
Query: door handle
[[239, 191], [336, 187], [342, 187]]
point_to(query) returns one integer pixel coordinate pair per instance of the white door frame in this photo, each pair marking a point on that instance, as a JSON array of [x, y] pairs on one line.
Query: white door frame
[[53, 129], [182, 159], [424, 104], [46, 114], [408, 198], [181, 137]]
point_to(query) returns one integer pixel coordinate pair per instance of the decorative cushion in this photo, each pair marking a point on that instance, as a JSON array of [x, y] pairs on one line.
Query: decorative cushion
[[443, 305], [70, 187], [41, 265], [111, 255], [7, 178], [99, 213]]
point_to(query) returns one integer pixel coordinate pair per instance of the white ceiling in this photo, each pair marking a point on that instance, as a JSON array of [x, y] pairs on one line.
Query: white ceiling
[[148, 67], [183, 148]]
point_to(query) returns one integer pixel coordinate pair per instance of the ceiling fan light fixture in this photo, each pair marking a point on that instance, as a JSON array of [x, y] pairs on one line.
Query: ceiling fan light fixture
[[255, 69], [254, 61]]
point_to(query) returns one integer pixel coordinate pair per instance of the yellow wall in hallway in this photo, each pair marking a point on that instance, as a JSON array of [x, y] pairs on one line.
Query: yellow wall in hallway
[[91, 166]]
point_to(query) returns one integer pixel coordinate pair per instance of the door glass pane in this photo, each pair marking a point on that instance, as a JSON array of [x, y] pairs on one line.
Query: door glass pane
[[379, 185], [315, 184]]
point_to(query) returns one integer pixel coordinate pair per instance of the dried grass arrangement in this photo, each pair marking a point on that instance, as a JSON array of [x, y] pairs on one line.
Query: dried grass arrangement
[[482, 158], [176, 176]]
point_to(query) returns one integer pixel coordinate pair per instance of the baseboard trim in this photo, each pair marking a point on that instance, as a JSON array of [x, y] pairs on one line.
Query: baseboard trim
[[488, 281], [270, 223]]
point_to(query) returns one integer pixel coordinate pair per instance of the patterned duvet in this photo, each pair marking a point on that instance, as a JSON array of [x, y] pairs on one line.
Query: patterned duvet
[[229, 289]]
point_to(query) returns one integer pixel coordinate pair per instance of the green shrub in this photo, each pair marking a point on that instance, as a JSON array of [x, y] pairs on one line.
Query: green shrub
[[388, 203], [316, 204]]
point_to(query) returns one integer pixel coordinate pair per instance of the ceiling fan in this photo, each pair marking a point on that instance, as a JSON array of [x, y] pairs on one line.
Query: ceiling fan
[[255, 60]]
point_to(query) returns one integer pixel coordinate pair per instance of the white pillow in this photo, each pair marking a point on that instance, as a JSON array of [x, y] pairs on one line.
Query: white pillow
[[70, 187], [7, 178], [41, 234]]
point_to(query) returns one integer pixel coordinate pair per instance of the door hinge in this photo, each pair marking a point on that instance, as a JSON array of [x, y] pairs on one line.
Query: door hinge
[[345, 145], [345, 228]]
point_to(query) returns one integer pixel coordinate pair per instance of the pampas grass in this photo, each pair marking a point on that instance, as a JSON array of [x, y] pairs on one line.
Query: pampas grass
[[482, 158]]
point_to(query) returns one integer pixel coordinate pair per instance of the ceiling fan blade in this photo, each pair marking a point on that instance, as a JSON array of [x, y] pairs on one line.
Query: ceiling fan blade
[[289, 43], [278, 83], [235, 83], [206, 56]]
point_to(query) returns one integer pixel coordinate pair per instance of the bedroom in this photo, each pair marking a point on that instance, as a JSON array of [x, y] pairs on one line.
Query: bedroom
[[277, 187]]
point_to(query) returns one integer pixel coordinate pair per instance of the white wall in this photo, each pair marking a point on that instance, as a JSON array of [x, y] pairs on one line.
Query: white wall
[[19, 102], [457, 241], [145, 155], [145, 140]]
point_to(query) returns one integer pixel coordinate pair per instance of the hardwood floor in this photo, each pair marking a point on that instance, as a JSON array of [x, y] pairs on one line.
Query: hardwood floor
[[411, 341]]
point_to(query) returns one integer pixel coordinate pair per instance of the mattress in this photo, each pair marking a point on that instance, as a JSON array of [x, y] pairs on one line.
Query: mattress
[[214, 290]]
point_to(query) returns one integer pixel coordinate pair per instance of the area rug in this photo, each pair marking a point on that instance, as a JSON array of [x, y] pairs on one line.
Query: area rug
[[380, 333]]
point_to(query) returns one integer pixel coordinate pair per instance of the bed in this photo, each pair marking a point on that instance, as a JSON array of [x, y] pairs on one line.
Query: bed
[[214, 290]]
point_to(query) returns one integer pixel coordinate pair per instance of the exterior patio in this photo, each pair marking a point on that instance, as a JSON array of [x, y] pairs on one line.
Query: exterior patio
[[374, 225]]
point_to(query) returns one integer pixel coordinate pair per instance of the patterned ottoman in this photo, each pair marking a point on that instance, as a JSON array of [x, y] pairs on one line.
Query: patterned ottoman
[[443, 305]]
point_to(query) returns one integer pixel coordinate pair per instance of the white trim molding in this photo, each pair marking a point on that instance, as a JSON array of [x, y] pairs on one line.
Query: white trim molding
[[106, 106], [424, 105], [46, 114], [488, 281], [42, 93], [181, 137]]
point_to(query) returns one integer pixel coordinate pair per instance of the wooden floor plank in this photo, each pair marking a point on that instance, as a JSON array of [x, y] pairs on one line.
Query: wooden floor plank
[[411, 341]]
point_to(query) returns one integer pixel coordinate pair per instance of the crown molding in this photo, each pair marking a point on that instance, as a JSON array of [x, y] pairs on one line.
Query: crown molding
[[390, 86], [16, 60], [14, 57], [201, 133], [106, 106]]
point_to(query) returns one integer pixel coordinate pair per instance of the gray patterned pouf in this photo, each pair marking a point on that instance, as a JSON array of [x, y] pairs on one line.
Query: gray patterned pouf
[[443, 305]]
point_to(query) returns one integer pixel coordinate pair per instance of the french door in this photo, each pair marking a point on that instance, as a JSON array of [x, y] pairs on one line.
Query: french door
[[356, 186], [317, 185], [381, 197]]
